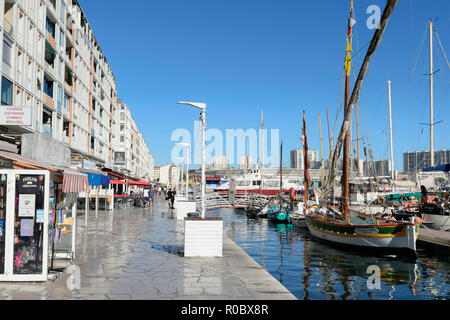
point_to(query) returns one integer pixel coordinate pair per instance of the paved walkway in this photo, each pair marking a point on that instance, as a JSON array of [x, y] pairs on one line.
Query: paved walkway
[[138, 254]]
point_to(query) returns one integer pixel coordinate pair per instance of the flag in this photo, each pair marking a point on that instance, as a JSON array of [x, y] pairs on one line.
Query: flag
[[351, 19]]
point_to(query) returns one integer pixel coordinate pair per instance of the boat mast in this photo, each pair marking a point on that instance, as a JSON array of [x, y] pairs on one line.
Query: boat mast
[[305, 160], [376, 39], [321, 152], [262, 151], [357, 140], [281, 168], [348, 68], [390, 131], [329, 135], [430, 24]]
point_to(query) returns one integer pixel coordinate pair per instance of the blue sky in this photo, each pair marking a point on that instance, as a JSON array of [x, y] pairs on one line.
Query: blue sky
[[283, 57]]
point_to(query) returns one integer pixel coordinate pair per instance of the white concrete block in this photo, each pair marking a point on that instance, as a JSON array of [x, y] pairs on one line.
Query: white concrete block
[[184, 207], [203, 237]]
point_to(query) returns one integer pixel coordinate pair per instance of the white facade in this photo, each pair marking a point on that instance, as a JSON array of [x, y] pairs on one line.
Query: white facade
[[169, 174], [220, 162], [51, 61], [130, 142]]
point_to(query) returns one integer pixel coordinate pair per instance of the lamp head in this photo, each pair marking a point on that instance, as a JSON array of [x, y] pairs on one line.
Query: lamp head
[[201, 106]]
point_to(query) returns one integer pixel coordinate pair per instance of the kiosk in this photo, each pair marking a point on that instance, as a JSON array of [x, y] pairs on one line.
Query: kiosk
[[24, 225]]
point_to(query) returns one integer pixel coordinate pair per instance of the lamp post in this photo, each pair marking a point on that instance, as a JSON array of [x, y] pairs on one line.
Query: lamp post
[[202, 107], [187, 145], [181, 174]]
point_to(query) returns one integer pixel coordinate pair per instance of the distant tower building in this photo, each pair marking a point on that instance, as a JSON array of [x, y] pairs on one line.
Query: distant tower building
[[297, 158], [245, 162], [220, 162]]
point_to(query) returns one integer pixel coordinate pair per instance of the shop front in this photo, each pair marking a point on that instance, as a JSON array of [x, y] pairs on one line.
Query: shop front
[[24, 225]]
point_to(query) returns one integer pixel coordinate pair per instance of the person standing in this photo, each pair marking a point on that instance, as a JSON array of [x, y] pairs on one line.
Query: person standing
[[151, 193]]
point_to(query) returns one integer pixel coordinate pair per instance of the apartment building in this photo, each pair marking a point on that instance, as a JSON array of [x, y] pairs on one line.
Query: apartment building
[[52, 62], [297, 158], [131, 146], [169, 174], [414, 161]]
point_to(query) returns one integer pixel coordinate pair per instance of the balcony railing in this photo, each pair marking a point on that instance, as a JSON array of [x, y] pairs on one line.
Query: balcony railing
[[8, 28]]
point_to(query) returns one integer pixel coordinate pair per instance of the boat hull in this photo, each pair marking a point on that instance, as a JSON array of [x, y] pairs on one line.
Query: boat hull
[[437, 221], [388, 236]]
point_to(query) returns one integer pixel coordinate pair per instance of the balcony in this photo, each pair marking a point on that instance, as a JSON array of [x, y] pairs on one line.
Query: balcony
[[8, 28]]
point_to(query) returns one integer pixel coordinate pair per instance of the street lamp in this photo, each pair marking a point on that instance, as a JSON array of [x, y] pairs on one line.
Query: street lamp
[[187, 145], [181, 175], [201, 106]]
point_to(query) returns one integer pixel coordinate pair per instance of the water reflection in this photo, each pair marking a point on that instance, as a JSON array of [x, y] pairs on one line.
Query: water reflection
[[314, 270]]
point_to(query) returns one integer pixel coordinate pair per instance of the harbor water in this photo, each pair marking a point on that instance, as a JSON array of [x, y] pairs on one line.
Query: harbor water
[[313, 270]]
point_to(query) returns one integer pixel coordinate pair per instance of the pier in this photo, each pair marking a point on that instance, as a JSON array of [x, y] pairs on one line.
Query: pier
[[137, 254]]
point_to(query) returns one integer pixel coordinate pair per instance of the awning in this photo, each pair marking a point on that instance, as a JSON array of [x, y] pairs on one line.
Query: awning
[[49, 46], [140, 183], [74, 182], [444, 167], [97, 179], [117, 182], [20, 162], [70, 71]]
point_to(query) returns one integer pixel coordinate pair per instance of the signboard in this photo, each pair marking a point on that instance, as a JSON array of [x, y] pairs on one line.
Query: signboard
[[15, 116], [119, 158], [27, 205]]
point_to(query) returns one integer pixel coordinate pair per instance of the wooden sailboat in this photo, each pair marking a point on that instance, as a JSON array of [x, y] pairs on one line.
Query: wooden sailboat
[[342, 225]]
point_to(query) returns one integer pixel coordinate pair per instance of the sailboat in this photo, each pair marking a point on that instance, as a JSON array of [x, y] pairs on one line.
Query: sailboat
[[340, 224], [280, 213]]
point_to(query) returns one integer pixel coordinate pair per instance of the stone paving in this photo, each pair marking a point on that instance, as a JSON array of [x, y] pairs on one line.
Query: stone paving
[[138, 254]]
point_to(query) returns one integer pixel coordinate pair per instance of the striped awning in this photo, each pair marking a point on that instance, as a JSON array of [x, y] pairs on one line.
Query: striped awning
[[74, 182]]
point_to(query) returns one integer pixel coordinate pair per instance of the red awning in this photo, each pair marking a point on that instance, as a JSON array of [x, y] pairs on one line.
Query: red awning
[[140, 183], [74, 182], [118, 182]]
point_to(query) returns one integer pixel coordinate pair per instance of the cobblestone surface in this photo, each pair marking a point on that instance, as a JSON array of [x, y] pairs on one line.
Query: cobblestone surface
[[138, 254]]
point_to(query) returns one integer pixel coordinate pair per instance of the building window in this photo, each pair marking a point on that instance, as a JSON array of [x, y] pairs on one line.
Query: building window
[[7, 49], [47, 121], [48, 87], [7, 88], [50, 26], [122, 138]]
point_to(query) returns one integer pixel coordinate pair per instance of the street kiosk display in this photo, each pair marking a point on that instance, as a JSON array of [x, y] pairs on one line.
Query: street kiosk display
[[24, 218]]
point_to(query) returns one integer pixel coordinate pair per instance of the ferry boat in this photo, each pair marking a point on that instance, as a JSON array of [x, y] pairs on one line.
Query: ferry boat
[[253, 182]]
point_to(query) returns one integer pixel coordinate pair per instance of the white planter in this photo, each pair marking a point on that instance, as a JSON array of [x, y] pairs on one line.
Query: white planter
[[183, 207], [203, 237]]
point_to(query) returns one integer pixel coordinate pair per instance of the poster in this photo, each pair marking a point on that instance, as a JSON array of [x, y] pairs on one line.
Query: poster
[[2, 224], [39, 216], [27, 205], [26, 227]]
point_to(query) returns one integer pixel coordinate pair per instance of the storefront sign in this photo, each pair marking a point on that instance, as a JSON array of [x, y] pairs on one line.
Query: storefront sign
[[15, 116], [27, 205], [28, 184]]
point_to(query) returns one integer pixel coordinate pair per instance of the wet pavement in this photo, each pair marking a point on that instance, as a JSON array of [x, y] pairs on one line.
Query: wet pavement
[[138, 254]]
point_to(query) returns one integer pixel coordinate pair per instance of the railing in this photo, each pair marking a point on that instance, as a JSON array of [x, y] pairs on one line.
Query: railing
[[224, 200]]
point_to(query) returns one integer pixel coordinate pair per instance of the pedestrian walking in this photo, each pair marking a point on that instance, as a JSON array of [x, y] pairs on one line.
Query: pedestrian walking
[[171, 198]]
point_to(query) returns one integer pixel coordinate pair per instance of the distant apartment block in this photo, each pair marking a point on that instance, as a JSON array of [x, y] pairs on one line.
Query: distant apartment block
[[414, 161], [130, 144], [297, 158]]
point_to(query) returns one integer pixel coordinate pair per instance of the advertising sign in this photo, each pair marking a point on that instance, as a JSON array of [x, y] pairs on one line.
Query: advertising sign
[[119, 158], [15, 116]]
